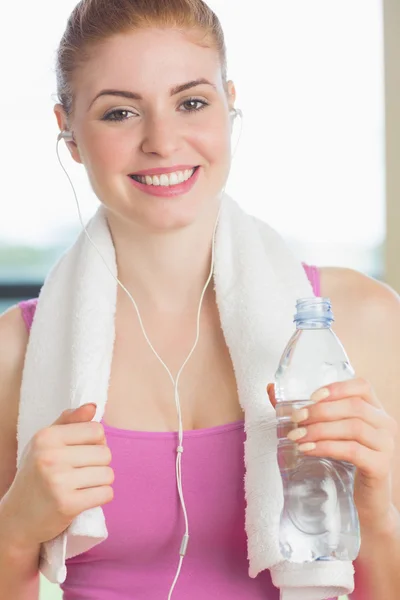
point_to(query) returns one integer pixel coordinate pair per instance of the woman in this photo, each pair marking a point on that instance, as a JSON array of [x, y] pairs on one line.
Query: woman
[[143, 89]]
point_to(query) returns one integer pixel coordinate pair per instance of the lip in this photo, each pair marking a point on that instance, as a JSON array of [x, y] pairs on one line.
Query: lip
[[167, 191], [165, 170]]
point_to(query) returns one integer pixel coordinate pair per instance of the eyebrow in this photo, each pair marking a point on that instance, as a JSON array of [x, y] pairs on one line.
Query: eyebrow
[[134, 96]]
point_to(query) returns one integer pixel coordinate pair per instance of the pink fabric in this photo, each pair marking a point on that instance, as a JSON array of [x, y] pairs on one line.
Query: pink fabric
[[314, 276], [145, 524], [28, 308]]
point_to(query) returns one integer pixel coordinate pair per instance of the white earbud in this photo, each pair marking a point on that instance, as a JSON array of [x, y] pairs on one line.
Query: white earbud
[[68, 136], [234, 113]]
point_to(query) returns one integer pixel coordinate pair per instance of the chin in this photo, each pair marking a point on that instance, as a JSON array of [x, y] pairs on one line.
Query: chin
[[163, 215]]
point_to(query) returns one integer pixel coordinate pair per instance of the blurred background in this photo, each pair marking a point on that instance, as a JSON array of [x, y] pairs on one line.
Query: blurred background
[[318, 83]]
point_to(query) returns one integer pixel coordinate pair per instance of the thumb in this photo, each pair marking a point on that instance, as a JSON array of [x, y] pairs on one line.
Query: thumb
[[271, 394], [83, 413]]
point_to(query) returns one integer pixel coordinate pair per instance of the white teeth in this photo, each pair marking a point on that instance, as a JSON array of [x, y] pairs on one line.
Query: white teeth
[[167, 180], [164, 180], [173, 179]]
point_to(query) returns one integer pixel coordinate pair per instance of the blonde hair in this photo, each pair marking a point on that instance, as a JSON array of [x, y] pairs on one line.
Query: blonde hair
[[93, 22]]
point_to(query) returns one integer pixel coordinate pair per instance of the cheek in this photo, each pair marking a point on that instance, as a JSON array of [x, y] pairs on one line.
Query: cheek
[[214, 145], [102, 161], [106, 155]]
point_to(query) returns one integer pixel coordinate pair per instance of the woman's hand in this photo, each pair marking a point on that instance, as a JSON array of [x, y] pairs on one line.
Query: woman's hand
[[64, 471], [348, 422]]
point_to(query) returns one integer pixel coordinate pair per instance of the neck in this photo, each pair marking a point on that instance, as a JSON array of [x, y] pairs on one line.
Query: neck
[[165, 272]]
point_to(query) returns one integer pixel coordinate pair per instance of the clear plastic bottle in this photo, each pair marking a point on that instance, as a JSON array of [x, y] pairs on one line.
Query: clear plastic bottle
[[319, 520]]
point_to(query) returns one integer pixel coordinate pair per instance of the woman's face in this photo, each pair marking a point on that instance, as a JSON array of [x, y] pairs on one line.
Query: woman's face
[[159, 128]]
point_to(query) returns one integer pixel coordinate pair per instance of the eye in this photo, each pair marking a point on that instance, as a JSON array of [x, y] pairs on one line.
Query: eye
[[194, 105], [113, 115]]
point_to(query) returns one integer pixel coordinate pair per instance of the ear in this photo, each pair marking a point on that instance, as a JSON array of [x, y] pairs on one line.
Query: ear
[[63, 124], [231, 91]]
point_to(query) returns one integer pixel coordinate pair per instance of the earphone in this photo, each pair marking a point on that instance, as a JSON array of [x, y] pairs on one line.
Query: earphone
[[68, 136], [234, 113]]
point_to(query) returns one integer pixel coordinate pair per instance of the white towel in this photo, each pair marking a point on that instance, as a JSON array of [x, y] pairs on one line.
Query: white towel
[[257, 281]]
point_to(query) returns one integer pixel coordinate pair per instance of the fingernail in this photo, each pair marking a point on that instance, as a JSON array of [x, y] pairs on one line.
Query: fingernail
[[300, 414], [297, 433], [320, 395], [306, 447]]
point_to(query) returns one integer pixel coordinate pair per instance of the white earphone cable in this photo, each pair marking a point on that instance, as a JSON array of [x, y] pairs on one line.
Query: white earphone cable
[[175, 382]]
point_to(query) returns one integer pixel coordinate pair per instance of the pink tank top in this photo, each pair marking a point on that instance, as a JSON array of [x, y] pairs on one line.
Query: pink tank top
[[145, 523]]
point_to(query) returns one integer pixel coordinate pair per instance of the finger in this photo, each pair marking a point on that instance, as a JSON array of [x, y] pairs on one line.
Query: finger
[[349, 429], [91, 498], [370, 462], [271, 394], [338, 410], [83, 456], [88, 477], [76, 434], [353, 387], [83, 413]]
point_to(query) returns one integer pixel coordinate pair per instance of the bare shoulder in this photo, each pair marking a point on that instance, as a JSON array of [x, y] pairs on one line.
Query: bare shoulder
[[359, 294], [13, 343], [13, 340]]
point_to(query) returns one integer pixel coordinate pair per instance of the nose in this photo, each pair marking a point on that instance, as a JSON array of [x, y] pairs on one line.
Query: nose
[[161, 136]]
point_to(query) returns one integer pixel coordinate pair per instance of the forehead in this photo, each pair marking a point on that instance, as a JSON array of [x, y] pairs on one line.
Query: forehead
[[147, 61]]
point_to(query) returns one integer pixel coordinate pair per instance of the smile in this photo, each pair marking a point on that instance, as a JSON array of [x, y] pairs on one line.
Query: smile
[[165, 179], [167, 185]]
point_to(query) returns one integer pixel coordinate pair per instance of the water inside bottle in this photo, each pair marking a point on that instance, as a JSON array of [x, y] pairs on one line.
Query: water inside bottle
[[288, 455], [317, 522]]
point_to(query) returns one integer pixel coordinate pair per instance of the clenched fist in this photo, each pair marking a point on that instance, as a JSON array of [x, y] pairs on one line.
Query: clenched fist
[[64, 471]]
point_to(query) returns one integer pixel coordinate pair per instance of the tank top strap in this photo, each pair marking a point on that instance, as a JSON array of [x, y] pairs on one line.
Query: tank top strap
[[313, 275], [28, 308]]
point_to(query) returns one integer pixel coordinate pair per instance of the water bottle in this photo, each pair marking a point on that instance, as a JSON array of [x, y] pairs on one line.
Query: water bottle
[[319, 519]]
